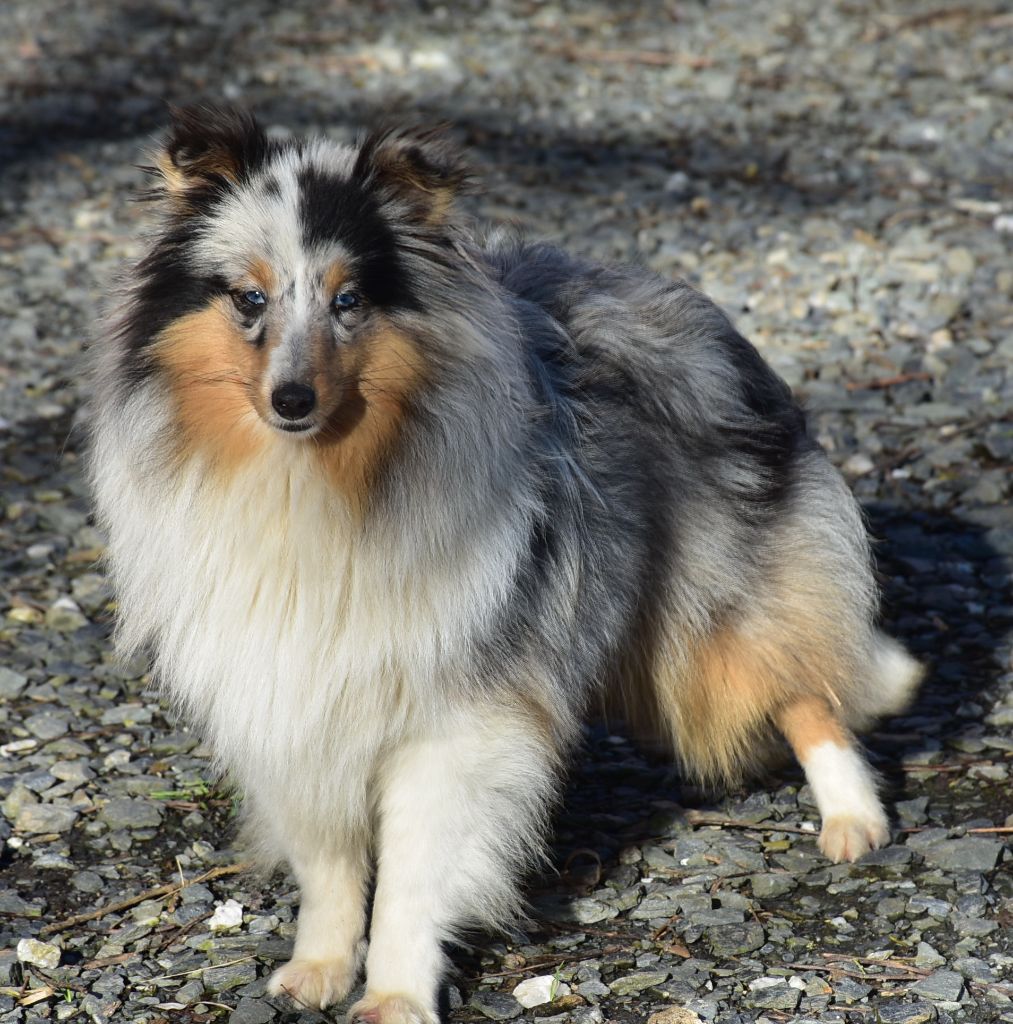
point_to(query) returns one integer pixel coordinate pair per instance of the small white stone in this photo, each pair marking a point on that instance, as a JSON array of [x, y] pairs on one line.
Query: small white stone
[[17, 747], [757, 984], [431, 60], [227, 915], [42, 954], [858, 464], [540, 990], [116, 759]]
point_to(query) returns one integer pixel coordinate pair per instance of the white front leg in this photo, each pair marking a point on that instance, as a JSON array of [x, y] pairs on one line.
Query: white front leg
[[461, 817], [329, 935]]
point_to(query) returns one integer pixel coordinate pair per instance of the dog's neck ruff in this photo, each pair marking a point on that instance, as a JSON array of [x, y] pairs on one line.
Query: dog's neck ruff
[[268, 606]]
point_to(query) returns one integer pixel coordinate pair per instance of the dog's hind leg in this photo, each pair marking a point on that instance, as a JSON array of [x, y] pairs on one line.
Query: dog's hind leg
[[842, 782]]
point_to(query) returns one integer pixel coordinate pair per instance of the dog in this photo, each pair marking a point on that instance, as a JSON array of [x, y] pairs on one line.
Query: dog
[[395, 506]]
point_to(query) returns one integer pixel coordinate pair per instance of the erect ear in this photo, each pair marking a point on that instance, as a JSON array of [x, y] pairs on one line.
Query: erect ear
[[210, 146], [419, 167]]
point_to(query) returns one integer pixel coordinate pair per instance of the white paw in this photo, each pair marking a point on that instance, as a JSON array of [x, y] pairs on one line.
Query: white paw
[[848, 837], [313, 983], [374, 1009]]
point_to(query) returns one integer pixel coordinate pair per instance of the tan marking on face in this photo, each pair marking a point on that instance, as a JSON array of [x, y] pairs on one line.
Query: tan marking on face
[[334, 277], [213, 373], [370, 392], [262, 275], [808, 722]]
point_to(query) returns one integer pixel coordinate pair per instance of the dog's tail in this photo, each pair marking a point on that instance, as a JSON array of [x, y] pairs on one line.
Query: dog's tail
[[896, 677]]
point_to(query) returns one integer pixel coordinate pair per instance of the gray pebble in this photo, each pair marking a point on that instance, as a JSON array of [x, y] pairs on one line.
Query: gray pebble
[[11, 683], [124, 812], [222, 979], [905, 1013], [13, 904], [775, 997], [734, 940], [928, 956], [972, 853], [591, 911], [848, 990], [47, 725], [252, 1011], [496, 1005], [766, 886], [87, 881], [42, 818], [942, 986], [631, 984]]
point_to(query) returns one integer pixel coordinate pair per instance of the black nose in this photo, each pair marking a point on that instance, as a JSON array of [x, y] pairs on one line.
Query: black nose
[[293, 401]]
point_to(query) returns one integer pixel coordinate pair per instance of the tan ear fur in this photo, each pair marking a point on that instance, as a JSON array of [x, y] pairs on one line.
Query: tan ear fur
[[418, 167], [210, 148]]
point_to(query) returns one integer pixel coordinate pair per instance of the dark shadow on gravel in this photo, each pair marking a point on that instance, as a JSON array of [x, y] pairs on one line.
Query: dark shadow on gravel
[[128, 61], [948, 594]]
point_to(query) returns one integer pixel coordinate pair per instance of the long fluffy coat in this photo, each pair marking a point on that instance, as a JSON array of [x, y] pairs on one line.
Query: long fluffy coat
[[531, 488]]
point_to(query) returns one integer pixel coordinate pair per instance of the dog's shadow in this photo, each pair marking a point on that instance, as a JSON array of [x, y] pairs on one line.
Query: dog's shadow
[[947, 595]]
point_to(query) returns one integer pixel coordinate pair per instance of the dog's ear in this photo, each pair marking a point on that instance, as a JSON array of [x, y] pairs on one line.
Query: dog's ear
[[418, 167], [210, 147]]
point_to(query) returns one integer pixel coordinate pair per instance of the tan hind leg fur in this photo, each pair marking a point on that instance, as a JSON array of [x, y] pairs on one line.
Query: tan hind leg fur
[[720, 705], [801, 656]]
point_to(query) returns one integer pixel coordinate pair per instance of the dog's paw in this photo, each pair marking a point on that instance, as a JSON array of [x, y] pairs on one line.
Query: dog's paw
[[373, 1009], [313, 983], [848, 837]]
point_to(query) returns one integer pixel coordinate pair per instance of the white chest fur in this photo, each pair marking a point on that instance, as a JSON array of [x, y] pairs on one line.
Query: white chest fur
[[301, 645]]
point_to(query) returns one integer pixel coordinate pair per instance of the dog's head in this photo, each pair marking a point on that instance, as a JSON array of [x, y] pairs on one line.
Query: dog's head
[[274, 297]]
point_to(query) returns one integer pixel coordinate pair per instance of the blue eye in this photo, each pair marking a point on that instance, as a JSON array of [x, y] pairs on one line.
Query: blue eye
[[344, 300], [252, 300]]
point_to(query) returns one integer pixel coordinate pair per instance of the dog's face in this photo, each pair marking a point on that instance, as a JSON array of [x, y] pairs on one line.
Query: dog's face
[[271, 299]]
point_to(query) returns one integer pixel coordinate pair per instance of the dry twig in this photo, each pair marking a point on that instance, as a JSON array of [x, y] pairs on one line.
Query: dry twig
[[696, 818], [879, 383], [132, 901], [651, 58]]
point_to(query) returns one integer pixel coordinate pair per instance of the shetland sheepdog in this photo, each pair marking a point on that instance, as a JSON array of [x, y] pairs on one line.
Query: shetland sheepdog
[[395, 505]]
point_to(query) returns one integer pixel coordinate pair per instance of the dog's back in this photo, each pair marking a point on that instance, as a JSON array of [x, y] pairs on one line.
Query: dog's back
[[755, 600]]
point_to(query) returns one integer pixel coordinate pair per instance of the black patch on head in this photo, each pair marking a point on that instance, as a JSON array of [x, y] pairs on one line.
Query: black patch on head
[[272, 187], [335, 209], [167, 288]]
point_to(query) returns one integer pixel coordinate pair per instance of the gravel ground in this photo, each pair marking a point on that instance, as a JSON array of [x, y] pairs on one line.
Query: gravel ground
[[838, 178]]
